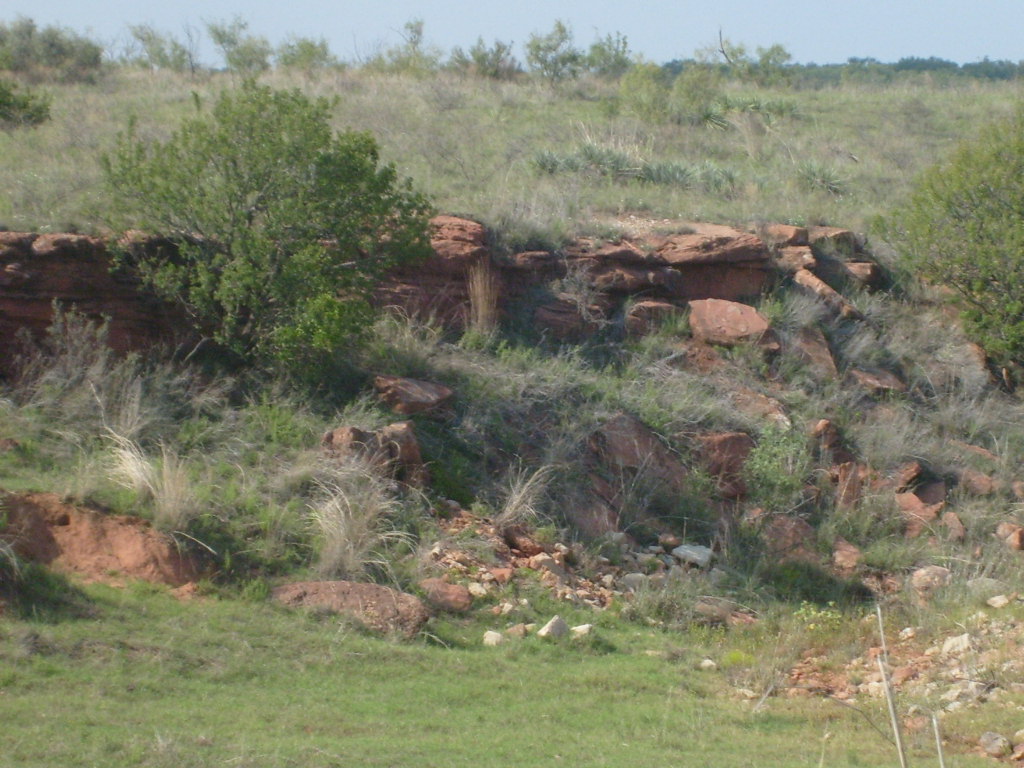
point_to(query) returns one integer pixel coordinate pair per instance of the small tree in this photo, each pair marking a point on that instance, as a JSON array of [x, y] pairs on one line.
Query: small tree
[[553, 55], [243, 53], [160, 51], [963, 228], [495, 62], [609, 57], [281, 225], [305, 54]]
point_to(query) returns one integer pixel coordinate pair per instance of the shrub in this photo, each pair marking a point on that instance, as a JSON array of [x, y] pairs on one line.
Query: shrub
[[160, 51], [50, 52], [553, 56], [244, 53], [281, 225], [609, 57], [495, 62], [305, 54], [21, 108], [963, 228]]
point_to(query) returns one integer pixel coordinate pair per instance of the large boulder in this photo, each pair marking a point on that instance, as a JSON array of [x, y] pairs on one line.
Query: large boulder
[[724, 455], [728, 323], [409, 396], [393, 450], [378, 608]]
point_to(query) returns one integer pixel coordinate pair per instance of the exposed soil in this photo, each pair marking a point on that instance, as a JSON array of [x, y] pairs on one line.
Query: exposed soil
[[94, 546]]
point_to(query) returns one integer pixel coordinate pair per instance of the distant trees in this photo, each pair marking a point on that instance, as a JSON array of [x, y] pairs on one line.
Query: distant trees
[[49, 53]]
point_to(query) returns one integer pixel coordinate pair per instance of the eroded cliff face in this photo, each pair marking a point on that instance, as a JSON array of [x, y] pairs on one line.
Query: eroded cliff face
[[73, 270], [581, 287]]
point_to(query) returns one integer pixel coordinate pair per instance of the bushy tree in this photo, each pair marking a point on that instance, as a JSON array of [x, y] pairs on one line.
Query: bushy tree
[[47, 53], [495, 61], [553, 56], [243, 53], [305, 54], [281, 224], [610, 57], [157, 50], [963, 228]]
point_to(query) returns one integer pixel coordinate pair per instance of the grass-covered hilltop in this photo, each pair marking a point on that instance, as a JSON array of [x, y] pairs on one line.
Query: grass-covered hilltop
[[445, 409]]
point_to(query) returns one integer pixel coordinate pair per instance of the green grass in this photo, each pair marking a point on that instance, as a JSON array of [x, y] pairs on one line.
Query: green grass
[[150, 681]]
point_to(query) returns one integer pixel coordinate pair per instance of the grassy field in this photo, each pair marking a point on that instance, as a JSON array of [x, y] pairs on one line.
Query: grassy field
[[145, 680], [834, 155]]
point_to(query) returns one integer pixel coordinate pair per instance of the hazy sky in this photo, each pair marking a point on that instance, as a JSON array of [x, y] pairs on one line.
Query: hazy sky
[[821, 31]]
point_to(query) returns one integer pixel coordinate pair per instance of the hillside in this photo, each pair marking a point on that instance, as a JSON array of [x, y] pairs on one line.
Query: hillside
[[656, 379]]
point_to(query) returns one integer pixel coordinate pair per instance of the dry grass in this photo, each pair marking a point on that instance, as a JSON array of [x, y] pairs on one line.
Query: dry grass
[[165, 483], [352, 519], [484, 290]]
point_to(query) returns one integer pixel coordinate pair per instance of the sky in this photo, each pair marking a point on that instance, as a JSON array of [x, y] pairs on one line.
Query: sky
[[821, 31]]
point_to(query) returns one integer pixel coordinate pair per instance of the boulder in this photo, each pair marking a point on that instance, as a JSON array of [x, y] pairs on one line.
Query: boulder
[[877, 382], [451, 598], [815, 286], [977, 483], [724, 454], [995, 744], [379, 608], [457, 243], [784, 234], [928, 580], [810, 346], [793, 258], [492, 638], [409, 396], [554, 629], [694, 554], [624, 442], [850, 479], [917, 515], [789, 539], [833, 240], [867, 273], [955, 530], [759, 406], [392, 450], [845, 556], [728, 323], [828, 443]]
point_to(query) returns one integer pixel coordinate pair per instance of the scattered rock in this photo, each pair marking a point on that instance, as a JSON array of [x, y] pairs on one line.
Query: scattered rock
[[877, 382], [955, 529], [784, 234], [707, 665], [648, 315], [582, 630], [791, 259], [956, 645], [994, 744], [835, 301], [789, 539], [724, 455], [379, 608], [453, 598], [845, 556], [694, 554], [999, 601], [393, 450], [492, 638], [624, 442], [810, 346], [518, 631], [409, 396], [928, 580], [917, 515], [977, 483], [554, 629]]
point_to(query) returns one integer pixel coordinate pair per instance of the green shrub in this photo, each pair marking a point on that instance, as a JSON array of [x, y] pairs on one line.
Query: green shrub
[[553, 56], [495, 62], [21, 108], [963, 228], [281, 225], [48, 53]]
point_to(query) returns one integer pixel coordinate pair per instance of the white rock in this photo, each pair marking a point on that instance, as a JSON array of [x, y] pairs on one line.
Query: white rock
[[694, 554], [999, 601], [956, 645], [634, 581], [581, 630], [708, 665], [476, 589], [608, 580], [554, 628], [492, 638], [908, 633]]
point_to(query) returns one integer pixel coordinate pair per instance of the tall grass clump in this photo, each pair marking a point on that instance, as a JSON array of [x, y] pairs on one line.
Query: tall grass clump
[[165, 483], [352, 517]]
